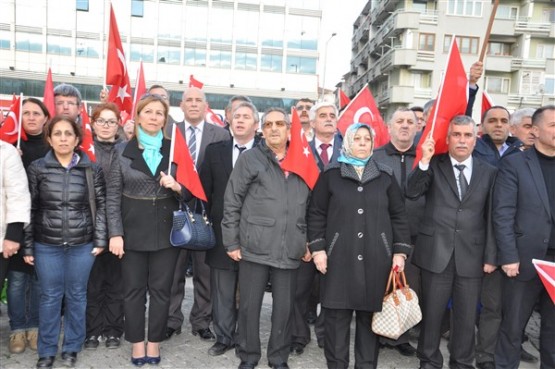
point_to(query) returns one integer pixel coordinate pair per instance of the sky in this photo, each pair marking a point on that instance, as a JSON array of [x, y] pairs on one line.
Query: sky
[[337, 16]]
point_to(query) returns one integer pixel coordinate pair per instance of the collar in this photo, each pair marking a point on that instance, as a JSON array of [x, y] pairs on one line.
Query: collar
[[468, 162], [199, 127], [317, 142], [248, 145], [390, 149]]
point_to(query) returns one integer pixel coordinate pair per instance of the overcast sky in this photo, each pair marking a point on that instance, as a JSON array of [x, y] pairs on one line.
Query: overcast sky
[[338, 16]]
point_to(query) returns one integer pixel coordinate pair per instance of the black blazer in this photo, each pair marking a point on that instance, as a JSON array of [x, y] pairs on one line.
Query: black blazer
[[451, 226], [522, 217], [337, 143]]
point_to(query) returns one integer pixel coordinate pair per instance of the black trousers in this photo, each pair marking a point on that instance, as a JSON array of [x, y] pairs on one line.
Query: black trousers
[[490, 316], [142, 271], [105, 297], [300, 330], [252, 282], [337, 324], [224, 304], [201, 312], [519, 298], [437, 288]]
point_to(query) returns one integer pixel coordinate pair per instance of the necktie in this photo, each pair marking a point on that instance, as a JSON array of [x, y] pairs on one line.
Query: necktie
[[463, 184], [324, 154], [193, 144], [240, 148]]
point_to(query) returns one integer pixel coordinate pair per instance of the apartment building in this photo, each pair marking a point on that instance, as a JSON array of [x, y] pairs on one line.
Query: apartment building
[[400, 48], [266, 49]]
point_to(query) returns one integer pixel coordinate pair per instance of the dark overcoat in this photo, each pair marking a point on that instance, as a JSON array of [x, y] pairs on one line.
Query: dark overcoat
[[360, 223]]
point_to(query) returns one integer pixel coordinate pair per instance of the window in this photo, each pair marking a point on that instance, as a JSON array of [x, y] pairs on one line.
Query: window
[[28, 42], [221, 25], [58, 45], [422, 80], [420, 6], [168, 54], [137, 8], [544, 51], [549, 85], [246, 27], [499, 85], [88, 48], [5, 40], [169, 29], [426, 41], [548, 15], [302, 32], [82, 5], [271, 63], [246, 61], [529, 82], [471, 8], [195, 57], [467, 45], [220, 59], [196, 23], [142, 52], [499, 49], [506, 12], [272, 35], [299, 64]]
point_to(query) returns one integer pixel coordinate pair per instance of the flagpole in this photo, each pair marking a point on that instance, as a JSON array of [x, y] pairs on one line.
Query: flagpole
[[108, 42], [453, 40], [20, 123], [488, 31], [172, 148], [136, 89]]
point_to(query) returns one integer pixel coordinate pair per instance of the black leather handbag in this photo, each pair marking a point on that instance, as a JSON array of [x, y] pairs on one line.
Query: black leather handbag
[[192, 231]]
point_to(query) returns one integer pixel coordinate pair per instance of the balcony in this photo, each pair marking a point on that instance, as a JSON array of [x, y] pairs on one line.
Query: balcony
[[396, 95], [396, 58], [521, 63], [429, 17], [503, 27], [394, 26], [381, 9], [523, 25], [499, 63], [524, 101]]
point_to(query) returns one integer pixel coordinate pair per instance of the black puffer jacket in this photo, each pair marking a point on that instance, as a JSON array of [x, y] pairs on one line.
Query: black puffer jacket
[[60, 210]]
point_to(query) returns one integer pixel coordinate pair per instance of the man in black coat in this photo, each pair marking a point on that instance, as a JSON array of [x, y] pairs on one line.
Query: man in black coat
[[194, 108], [326, 147], [214, 174], [524, 224], [455, 244]]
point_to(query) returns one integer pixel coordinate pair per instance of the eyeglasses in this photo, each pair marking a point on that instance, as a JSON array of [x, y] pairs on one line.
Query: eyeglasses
[[68, 103], [303, 107], [277, 123], [103, 122]]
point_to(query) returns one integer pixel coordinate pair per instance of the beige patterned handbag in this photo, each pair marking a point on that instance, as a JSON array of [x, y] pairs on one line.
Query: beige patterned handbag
[[400, 310]]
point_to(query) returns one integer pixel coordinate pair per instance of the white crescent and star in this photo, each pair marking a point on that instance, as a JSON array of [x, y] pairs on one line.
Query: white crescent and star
[[360, 112]]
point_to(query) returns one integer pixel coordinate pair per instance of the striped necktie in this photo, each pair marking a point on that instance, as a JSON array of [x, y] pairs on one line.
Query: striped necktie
[[193, 144]]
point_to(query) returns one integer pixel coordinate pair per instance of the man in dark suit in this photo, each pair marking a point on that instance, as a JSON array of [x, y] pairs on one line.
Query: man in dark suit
[[199, 135], [455, 244], [399, 154], [326, 147], [524, 224], [214, 174]]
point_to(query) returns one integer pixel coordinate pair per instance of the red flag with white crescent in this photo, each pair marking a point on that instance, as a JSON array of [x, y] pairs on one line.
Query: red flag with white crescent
[[212, 117], [116, 69], [87, 146], [546, 271], [363, 109], [9, 131]]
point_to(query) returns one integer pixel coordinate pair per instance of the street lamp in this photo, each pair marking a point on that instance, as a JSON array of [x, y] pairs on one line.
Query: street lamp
[[325, 65]]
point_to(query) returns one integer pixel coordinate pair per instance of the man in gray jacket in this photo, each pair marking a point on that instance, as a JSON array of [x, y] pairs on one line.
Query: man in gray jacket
[[264, 228]]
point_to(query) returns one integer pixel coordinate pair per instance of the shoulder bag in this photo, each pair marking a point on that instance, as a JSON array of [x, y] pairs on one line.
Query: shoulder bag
[[192, 231]]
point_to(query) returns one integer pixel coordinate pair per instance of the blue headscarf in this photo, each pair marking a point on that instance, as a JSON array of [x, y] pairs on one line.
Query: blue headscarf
[[152, 146], [347, 153]]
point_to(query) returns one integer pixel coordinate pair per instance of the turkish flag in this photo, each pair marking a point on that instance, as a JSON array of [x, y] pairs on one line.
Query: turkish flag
[[48, 95], [140, 88], [487, 102], [212, 117], [194, 82], [451, 101], [299, 158], [87, 145], [546, 271], [116, 69], [11, 130], [186, 174], [363, 109], [343, 99]]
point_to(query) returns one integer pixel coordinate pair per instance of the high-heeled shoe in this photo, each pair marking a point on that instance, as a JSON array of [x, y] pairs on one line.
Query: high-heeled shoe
[[139, 361], [153, 360]]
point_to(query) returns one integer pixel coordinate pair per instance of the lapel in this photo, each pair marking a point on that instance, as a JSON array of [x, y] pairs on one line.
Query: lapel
[[226, 156], [337, 143], [207, 134], [319, 162], [477, 176], [135, 154], [447, 171], [537, 177]]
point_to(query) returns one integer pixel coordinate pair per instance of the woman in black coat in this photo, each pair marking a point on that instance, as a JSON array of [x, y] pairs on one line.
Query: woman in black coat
[[358, 230], [64, 236], [140, 203]]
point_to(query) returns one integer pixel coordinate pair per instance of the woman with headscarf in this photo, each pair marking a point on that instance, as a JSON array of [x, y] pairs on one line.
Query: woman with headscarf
[[358, 230]]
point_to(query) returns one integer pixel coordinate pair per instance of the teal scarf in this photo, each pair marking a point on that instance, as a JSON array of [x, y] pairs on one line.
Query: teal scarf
[[152, 146]]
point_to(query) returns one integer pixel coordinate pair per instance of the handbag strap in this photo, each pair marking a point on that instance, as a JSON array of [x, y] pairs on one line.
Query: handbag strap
[[90, 188]]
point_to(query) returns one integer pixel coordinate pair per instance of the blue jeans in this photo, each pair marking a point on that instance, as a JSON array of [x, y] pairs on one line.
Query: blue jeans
[[23, 301], [62, 270]]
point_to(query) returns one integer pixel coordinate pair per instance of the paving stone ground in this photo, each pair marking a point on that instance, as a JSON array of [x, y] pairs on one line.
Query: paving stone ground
[[189, 352]]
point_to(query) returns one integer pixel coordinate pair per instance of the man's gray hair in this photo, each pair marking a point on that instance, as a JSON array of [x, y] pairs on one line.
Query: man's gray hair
[[517, 116], [68, 90], [462, 120], [321, 104], [246, 104], [402, 110], [279, 110], [237, 98], [428, 106]]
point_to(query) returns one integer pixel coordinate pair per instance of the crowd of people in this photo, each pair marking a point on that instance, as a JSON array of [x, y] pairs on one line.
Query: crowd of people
[[87, 243]]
